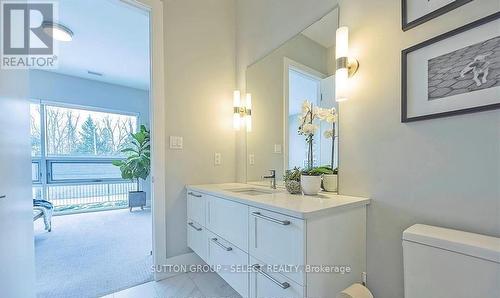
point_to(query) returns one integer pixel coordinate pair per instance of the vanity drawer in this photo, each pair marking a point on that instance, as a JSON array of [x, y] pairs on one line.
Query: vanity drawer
[[265, 284], [277, 239], [197, 238], [229, 220], [226, 255], [196, 206]]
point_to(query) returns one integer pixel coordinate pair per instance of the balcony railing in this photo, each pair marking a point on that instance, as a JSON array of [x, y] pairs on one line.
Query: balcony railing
[[83, 197]]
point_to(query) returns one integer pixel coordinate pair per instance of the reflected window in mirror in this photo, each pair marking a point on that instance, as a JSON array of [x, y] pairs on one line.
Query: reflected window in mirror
[[301, 69], [318, 89]]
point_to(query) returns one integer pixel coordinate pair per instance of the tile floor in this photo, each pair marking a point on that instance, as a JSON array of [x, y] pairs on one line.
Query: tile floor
[[187, 285]]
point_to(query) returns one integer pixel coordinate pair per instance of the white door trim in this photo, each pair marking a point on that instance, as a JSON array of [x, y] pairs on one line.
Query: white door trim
[[157, 119]]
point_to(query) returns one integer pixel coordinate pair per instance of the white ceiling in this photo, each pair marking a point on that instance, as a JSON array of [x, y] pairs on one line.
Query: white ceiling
[[110, 37], [323, 31]]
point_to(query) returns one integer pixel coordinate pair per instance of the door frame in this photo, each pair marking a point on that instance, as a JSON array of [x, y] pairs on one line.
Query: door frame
[[157, 123]]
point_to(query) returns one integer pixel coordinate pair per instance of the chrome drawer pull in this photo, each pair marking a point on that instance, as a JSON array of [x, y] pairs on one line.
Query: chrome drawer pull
[[3, 197], [281, 222], [194, 227], [283, 285], [226, 248], [194, 195]]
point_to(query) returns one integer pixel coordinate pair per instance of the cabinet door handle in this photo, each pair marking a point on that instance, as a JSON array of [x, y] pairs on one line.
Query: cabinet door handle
[[194, 227], [194, 195], [283, 285], [3, 196], [226, 248], [281, 222]]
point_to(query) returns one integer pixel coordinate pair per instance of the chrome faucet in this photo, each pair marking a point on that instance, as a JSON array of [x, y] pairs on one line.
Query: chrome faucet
[[272, 176]]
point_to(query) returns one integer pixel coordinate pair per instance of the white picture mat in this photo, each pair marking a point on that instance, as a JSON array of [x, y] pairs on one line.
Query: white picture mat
[[417, 76], [418, 8]]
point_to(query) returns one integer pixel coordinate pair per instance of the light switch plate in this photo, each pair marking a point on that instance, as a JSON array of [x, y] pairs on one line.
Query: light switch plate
[[277, 148], [176, 142], [217, 159], [251, 159]]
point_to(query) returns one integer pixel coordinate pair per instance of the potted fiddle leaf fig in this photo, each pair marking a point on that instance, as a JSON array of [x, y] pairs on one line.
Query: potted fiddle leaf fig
[[137, 165]]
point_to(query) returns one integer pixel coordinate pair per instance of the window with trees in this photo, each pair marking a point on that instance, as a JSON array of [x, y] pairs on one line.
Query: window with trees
[[76, 144]]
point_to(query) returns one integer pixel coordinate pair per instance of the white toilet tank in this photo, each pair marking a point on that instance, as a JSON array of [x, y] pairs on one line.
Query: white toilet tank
[[444, 263]]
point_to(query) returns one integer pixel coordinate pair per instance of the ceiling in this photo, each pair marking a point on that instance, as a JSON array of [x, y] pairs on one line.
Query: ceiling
[[110, 37], [323, 31]]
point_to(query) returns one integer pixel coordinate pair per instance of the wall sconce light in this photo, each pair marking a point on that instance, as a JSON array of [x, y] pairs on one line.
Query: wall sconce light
[[346, 66], [242, 113]]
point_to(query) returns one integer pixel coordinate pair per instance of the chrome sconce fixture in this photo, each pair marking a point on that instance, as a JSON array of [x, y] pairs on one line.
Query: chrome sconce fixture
[[346, 66], [242, 112]]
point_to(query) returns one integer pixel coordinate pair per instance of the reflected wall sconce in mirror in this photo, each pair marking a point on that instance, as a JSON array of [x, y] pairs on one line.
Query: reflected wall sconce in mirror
[[242, 112], [346, 66]]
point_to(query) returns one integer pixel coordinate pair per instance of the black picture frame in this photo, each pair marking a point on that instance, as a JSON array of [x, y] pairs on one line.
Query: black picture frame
[[434, 14], [404, 68]]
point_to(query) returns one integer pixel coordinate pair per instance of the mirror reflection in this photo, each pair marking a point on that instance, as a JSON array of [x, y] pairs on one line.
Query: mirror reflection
[[293, 105]]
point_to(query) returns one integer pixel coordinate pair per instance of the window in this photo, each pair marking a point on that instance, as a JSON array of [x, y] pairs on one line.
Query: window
[[36, 130], [72, 154], [91, 171], [78, 132], [35, 171]]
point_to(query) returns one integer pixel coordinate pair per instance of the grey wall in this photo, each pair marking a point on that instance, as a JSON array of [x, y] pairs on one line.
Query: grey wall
[[199, 83], [443, 172]]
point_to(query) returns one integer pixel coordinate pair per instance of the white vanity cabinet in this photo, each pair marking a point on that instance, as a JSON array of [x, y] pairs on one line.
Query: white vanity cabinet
[[229, 220], [266, 284], [290, 246], [196, 238], [228, 256], [196, 207], [277, 239]]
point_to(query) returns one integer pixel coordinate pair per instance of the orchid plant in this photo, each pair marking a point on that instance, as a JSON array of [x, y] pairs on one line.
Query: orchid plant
[[308, 128]]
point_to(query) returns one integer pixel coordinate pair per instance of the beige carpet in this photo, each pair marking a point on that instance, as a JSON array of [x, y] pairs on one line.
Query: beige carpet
[[93, 254]]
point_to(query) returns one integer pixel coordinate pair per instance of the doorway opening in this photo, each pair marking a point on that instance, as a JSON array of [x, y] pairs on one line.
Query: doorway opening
[[85, 118], [317, 88]]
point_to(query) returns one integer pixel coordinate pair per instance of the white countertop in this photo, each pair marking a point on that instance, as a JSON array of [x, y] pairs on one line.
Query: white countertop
[[281, 201]]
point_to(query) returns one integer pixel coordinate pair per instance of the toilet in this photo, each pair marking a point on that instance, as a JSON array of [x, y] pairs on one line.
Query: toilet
[[445, 263]]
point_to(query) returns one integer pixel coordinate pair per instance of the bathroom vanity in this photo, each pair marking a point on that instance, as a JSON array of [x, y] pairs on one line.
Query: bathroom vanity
[[317, 244]]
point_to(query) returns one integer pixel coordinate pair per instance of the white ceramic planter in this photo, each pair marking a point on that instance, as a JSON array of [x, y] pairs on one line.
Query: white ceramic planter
[[311, 185], [330, 183]]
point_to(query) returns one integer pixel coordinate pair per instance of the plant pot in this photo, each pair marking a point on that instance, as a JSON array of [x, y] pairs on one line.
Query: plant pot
[[292, 186], [311, 185], [330, 182], [136, 199]]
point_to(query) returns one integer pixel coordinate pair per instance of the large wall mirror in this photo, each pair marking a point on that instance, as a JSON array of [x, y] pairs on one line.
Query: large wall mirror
[[300, 70]]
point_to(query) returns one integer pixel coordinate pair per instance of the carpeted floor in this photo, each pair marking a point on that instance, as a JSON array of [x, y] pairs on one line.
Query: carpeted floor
[[93, 254]]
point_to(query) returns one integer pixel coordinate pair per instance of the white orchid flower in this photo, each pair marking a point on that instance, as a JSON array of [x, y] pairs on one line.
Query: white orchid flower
[[328, 134], [309, 129], [306, 106]]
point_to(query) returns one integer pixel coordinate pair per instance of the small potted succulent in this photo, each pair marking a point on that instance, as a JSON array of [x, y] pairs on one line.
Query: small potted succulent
[[330, 182], [292, 180]]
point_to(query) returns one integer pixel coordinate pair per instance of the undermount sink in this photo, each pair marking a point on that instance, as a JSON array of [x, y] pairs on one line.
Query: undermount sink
[[252, 191]]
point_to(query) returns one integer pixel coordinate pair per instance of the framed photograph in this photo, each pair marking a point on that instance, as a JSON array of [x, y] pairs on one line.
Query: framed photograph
[[416, 12], [454, 73]]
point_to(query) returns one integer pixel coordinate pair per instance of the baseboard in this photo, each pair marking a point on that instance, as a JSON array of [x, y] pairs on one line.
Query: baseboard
[[183, 261]]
